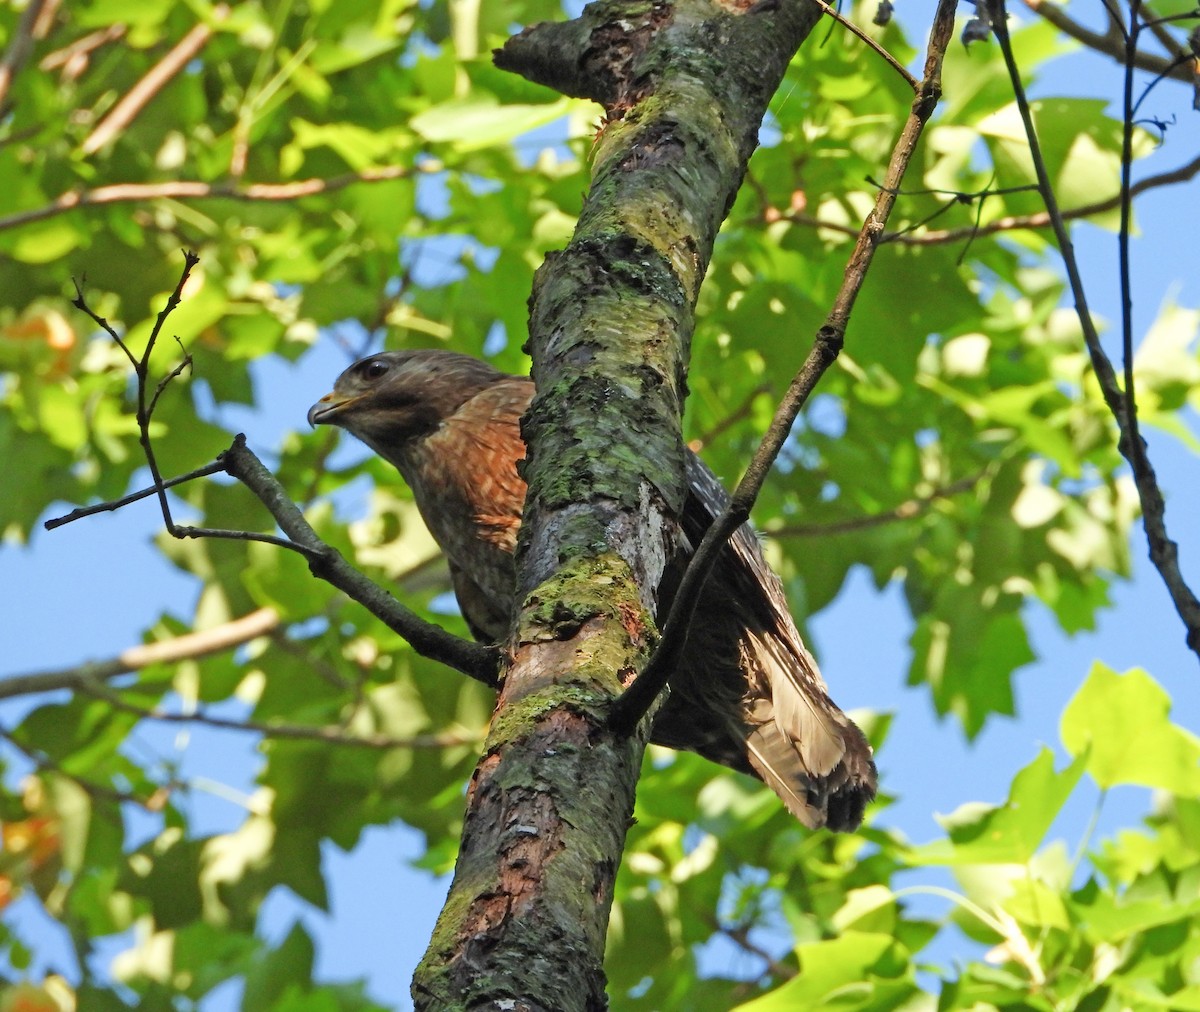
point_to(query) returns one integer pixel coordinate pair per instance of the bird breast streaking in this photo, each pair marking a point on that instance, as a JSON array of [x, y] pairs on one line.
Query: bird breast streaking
[[748, 695]]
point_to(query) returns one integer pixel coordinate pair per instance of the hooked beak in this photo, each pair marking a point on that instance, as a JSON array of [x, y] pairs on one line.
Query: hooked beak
[[326, 410]]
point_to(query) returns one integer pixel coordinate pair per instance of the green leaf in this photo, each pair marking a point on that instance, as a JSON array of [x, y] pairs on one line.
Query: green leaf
[[1107, 917], [45, 241], [1119, 725], [271, 977], [472, 125], [1010, 833], [858, 970]]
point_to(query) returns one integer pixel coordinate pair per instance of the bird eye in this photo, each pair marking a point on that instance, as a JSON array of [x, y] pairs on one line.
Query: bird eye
[[374, 369]]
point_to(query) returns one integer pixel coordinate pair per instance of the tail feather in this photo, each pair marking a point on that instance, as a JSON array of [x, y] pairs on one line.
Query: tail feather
[[797, 740], [793, 697], [837, 798], [774, 760]]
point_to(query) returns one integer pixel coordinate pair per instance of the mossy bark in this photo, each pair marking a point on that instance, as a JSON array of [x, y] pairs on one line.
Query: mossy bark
[[684, 86]]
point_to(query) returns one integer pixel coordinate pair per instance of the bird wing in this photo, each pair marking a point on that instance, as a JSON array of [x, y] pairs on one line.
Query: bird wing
[[795, 738]]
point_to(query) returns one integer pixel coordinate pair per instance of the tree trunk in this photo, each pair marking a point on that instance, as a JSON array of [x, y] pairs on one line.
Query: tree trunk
[[684, 86]]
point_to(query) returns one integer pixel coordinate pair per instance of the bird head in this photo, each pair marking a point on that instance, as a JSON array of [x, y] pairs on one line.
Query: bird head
[[395, 397]]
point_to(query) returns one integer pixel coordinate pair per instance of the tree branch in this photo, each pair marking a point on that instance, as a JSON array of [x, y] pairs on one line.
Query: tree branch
[[741, 412], [628, 710], [1164, 553], [155, 79], [73, 57], [20, 47], [904, 511], [1110, 43], [429, 640], [216, 467], [862, 36], [294, 732], [932, 237], [98, 792], [426, 638], [182, 189], [190, 646]]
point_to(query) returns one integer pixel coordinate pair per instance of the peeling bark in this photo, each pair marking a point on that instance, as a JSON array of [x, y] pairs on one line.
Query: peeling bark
[[684, 86]]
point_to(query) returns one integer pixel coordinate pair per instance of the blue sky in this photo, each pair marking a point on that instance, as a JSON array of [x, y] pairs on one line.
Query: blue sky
[[88, 590]]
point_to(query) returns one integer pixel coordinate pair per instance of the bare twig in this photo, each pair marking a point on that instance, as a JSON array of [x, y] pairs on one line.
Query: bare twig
[[739, 413], [1132, 435], [75, 55], [99, 792], [740, 936], [904, 511], [426, 638], [853, 29], [181, 189], [1164, 553], [1111, 43], [141, 368], [145, 413], [1165, 39], [1041, 219], [32, 25], [187, 647], [294, 732], [155, 79], [630, 707], [216, 467]]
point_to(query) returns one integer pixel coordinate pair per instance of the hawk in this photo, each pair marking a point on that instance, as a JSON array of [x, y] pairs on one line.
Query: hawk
[[748, 694]]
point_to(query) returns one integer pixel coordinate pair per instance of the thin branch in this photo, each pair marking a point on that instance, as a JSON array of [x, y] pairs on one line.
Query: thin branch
[[79, 302], [853, 29], [145, 411], [155, 79], [1165, 39], [1132, 436], [182, 189], [1010, 223], [190, 646], [429, 640], [216, 467], [740, 936], [631, 706], [426, 638], [1110, 43], [904, 511], [184, 364], [20, 47], [294, 732], [99, 792], [1164, 553], [742, 411], [77, 53]]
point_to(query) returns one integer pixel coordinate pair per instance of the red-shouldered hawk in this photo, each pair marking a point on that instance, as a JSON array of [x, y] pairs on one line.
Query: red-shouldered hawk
[[749, 695]]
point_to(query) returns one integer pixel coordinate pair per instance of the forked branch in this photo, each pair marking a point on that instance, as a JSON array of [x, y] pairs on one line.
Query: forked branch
[[1164, 553], [426, 638]]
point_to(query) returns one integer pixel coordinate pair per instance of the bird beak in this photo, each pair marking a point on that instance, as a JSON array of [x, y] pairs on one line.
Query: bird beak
[[325, 411]]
